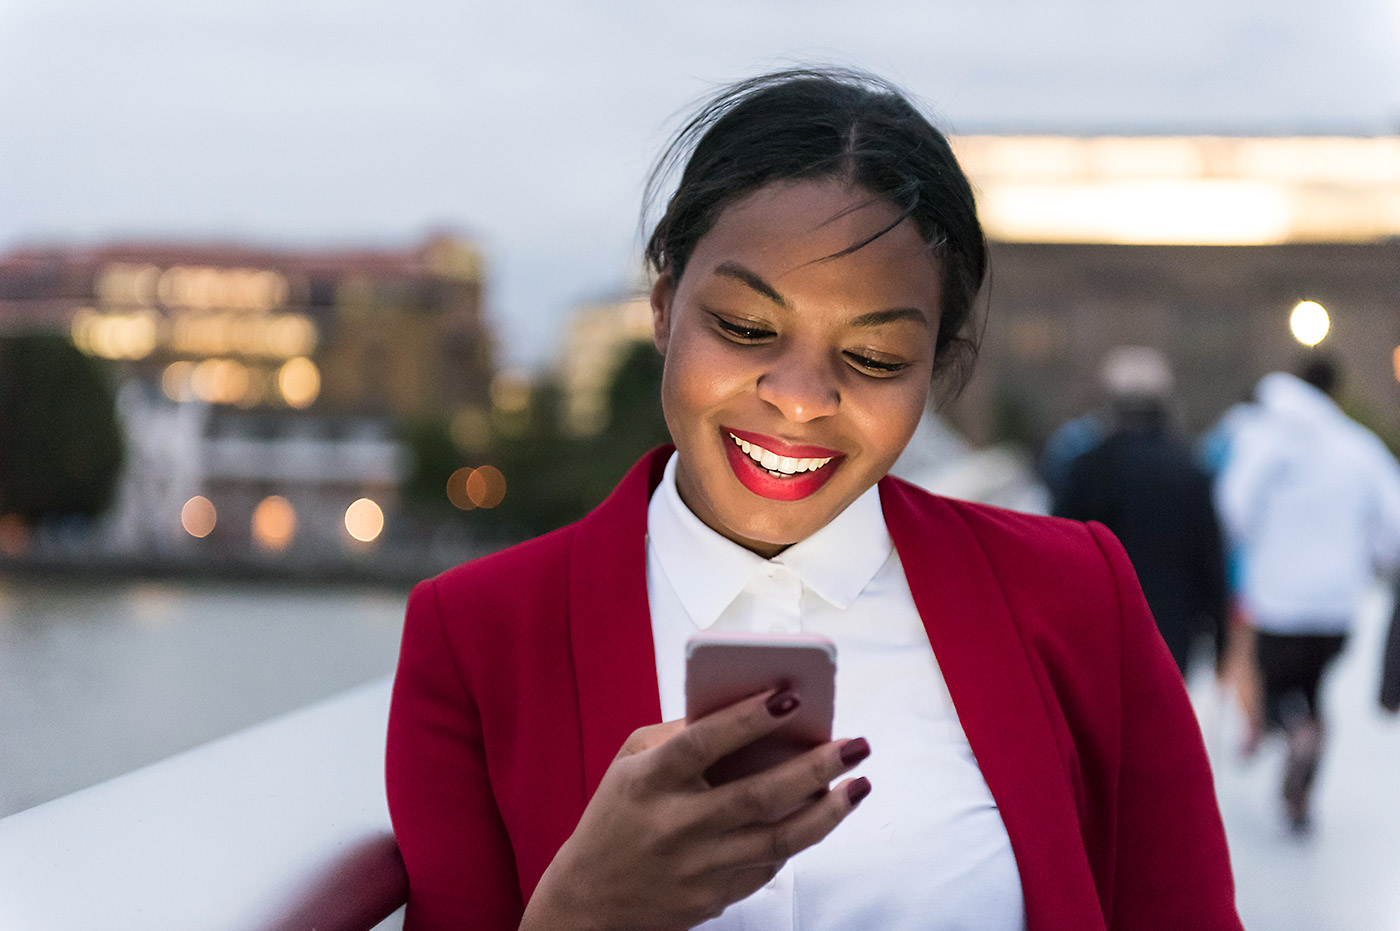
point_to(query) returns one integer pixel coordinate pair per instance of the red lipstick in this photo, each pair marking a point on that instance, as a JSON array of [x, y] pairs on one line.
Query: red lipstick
[[763, 482]]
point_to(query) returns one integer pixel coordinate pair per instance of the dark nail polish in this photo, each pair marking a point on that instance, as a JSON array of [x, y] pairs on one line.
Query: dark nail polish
[[854, 751], [782, 703], [858, 790]]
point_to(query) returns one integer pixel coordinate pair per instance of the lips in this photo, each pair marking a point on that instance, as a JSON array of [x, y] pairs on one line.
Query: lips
[[774, 469]]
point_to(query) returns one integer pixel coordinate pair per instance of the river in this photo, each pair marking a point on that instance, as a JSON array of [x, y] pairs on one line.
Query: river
[[98, 678]]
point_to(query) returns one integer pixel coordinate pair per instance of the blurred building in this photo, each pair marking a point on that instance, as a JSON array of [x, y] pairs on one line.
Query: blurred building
[[599, 337], [263, 390], [1198, 246]]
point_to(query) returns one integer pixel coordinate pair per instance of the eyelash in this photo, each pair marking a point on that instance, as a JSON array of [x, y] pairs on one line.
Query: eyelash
[[873, 367]]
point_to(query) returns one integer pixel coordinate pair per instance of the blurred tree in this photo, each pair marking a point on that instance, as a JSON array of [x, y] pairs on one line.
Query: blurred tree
[[61, 444], [552, 478]]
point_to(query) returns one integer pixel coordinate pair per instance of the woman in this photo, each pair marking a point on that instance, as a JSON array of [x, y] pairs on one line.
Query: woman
[[1027, 754]]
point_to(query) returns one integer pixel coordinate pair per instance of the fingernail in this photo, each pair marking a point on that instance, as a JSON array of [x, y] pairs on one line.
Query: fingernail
[[858, 790], [782, 703], [854, 751]]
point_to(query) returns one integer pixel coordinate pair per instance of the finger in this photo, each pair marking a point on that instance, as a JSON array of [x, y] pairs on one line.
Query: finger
[[701, 743], [775, 843], [770, 796]]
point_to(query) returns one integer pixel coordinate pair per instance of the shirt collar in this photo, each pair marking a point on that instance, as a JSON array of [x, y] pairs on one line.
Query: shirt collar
[[709, 571]]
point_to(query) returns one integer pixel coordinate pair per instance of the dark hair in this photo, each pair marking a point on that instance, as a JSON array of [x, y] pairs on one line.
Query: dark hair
[[810, 124], [1321, 371]]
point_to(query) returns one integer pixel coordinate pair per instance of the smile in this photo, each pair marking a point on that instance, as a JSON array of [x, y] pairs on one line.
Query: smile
[[776, 469], [775, 465]]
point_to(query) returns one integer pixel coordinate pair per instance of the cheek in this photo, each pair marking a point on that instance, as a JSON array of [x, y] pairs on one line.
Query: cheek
[[697, 376], [890, 421]]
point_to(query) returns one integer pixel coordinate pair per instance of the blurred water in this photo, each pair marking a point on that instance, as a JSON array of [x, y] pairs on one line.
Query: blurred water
[[98, 678]]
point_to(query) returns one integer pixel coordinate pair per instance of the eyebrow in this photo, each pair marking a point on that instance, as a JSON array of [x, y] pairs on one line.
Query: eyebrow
[[732, 269]]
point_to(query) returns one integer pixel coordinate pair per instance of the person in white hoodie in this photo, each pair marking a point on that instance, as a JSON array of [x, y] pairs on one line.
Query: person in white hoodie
[[1313, 500]]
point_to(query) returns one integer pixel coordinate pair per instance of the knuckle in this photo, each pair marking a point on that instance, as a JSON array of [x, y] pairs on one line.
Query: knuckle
[[692, 751], [750, 801]]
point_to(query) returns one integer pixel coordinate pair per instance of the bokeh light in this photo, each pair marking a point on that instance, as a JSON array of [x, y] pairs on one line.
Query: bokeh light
[[219, 381], [299, 381], [198, 517], [177, 381], [274, 523], [457, 489], [486, 486], [364, 520], [1309, 323]]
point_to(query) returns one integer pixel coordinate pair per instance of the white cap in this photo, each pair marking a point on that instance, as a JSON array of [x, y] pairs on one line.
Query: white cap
[[1136, 371]]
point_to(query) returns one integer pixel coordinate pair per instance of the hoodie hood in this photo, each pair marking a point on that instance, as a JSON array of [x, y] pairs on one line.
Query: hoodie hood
[[1290, 396]]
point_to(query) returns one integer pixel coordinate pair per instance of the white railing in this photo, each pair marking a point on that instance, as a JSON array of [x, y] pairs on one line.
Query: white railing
[[283, 826]]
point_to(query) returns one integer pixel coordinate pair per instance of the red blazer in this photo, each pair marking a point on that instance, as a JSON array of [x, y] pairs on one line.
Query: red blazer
[[521, 674]]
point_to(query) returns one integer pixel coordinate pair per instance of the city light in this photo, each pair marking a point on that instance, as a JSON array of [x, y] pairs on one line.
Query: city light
[[299, 381], [364, 520], [182, 286], [115, 336], [221, 332], [469, 488], [219, 381], [274, 523], [1309, 323], [198, 517], [176, 381], [486, 486], [457, 489], [1190, 190]]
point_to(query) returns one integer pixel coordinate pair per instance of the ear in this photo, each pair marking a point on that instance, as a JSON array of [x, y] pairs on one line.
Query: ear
[[662, 293]]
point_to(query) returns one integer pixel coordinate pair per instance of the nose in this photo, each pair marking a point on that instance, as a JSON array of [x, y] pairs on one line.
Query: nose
[[801, 389]]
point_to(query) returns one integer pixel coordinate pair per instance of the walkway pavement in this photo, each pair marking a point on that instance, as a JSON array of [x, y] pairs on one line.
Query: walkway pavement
[[1345, 875]]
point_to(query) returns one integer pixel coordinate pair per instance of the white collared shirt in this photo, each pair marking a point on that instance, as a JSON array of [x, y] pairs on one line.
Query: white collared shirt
[[927, 848]]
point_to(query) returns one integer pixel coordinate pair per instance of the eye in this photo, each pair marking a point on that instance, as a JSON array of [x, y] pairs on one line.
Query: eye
[[742, 333], [876, 367]]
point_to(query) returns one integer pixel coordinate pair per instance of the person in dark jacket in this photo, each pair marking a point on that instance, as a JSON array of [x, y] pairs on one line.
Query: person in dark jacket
[[1144, 484]]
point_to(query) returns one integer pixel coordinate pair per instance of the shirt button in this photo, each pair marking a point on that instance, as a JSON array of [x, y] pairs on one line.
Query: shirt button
[[777, 629]]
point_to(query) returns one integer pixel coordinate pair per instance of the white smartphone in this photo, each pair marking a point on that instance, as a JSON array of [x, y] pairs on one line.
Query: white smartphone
[[724, 667]]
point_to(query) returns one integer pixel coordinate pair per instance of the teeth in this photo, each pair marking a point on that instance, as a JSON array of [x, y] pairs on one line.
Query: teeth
[[778, 465]]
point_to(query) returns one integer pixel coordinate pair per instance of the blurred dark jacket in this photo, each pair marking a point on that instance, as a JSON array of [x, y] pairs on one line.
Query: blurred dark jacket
[[1144, 484]]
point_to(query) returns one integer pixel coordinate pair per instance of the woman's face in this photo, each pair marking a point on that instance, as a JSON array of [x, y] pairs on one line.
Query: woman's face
[[818, 368]]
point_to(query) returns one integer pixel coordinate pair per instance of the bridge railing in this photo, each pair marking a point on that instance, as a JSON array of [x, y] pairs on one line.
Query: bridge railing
[[282, 826]]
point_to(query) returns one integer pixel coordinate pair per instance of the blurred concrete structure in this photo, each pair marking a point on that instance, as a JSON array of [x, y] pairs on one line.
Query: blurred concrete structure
[[263, 388], [1197, 246], [597, 340]]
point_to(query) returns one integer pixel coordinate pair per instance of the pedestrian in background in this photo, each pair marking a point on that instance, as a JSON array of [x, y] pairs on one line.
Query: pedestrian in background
[[1238, 667], [1143, 483], [1390, 658], [1314, 499]]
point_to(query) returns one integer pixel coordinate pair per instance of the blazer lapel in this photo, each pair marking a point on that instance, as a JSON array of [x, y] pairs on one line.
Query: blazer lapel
[[989, 676], [610, 622]]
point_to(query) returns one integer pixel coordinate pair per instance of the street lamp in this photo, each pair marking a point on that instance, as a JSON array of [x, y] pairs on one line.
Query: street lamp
[[1309, 323]]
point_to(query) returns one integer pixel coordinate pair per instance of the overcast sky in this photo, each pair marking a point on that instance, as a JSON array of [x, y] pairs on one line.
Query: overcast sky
[[531, 125]]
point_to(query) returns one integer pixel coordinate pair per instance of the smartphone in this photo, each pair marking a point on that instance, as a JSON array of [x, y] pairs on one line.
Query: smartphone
[[726, 666]]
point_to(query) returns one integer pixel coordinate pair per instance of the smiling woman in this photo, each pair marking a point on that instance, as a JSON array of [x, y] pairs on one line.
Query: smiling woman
[[1035, 760], [775, 338]]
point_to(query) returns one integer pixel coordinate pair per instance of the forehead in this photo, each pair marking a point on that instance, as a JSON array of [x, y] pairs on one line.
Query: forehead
[[792, 235]]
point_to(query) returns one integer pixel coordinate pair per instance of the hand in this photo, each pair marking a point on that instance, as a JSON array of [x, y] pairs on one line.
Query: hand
[[659, 848]]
